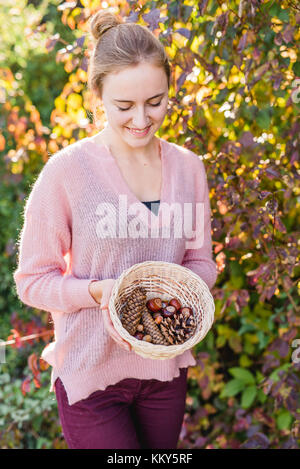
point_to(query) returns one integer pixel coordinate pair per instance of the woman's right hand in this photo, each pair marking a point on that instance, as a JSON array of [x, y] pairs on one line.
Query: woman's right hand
[[101, 291]]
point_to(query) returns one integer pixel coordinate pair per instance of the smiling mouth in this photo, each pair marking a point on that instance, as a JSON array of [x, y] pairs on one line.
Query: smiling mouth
[[139, 130], [139, 133]]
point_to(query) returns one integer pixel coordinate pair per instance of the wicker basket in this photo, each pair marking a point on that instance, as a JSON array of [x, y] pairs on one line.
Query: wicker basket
[[166, 280]]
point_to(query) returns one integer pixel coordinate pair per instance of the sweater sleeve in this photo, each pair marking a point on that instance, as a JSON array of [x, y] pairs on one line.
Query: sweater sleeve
[[199, 258], [40, 278]]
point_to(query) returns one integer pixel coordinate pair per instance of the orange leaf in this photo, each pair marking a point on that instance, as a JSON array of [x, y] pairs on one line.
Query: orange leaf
[[37, 381], [2, 142], [32, 363], [43, 364]]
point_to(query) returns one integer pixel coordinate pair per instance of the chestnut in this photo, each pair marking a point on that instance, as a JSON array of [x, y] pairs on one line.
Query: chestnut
[[147, 338], [168, 311], [186, 310], [154, 304], [139, 335], [175, 302]]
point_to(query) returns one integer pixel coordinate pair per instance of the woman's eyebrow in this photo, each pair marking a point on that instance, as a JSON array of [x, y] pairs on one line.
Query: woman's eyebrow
[[126, 101]]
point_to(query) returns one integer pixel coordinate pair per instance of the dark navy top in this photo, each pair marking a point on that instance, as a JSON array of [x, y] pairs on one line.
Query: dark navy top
[[155, 208]]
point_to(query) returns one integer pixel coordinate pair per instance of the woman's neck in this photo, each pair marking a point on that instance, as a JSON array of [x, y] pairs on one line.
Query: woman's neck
[[121, 151]]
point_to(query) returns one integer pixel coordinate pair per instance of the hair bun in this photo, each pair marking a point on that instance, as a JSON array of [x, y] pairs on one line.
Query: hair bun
[[102, 21]]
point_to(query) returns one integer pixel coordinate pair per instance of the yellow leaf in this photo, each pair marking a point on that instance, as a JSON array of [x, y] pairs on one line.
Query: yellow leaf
[[74, 101], [60, 104]]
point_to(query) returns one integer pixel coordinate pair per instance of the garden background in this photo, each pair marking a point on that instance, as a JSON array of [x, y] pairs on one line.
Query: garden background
[[234, 101]]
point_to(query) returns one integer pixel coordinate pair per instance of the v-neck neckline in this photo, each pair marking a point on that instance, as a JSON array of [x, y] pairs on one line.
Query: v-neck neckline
[[147, 217]]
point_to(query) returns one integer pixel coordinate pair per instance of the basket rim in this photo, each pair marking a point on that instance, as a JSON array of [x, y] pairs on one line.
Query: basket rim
[[139, 345], [174, 266]]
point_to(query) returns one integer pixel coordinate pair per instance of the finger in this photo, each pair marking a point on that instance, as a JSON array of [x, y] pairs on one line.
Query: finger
[[112, 331]]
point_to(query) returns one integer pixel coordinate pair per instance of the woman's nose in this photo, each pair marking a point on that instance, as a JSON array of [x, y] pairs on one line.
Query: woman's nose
[[140, 119]]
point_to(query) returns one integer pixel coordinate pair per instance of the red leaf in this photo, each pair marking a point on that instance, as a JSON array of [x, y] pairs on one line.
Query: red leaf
[[272, 173], [16, 337], [25, 386], [288, 34], [242, 43], [202, 6], [51, 42], [264, 194], [279, 225], [295, 157], [270, 291]]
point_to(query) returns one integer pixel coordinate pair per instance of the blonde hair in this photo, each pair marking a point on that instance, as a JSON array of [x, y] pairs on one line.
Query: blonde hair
[[119, 45]]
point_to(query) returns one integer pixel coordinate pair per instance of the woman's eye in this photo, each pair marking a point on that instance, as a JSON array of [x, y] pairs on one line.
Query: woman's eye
[[127, 109], [157, 104]]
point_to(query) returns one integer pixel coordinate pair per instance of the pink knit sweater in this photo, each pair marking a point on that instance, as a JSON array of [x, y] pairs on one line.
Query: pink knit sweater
[[71, 236]]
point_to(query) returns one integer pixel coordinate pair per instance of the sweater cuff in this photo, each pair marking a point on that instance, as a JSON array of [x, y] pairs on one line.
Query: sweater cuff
[[79, 289]]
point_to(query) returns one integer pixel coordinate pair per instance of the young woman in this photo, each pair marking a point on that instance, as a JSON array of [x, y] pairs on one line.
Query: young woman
[[90, 215]]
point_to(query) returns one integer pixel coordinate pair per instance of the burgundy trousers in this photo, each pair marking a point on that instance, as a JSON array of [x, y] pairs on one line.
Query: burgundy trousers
[[132, 414]]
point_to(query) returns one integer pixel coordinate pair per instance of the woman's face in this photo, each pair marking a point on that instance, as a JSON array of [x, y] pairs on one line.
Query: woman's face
[[135, 99]]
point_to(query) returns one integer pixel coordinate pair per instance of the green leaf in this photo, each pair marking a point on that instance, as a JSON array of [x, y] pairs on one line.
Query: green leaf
[[221, 95], [284, 420], [263, 119], [248, 396], [245, 361], [232, 388], [221, 341], [263, 339], [248, 112], [284, 15], [42, 441], [234, 343], [237, 278], [296, 68], [242, 375], [262, 397], [246, 328], [274, 375], [276, 10]]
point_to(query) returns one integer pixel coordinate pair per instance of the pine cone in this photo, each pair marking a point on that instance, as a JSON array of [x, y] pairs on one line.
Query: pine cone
[[152, 328], [187, 325], [132, 311], [178, 328], [168, 330]]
